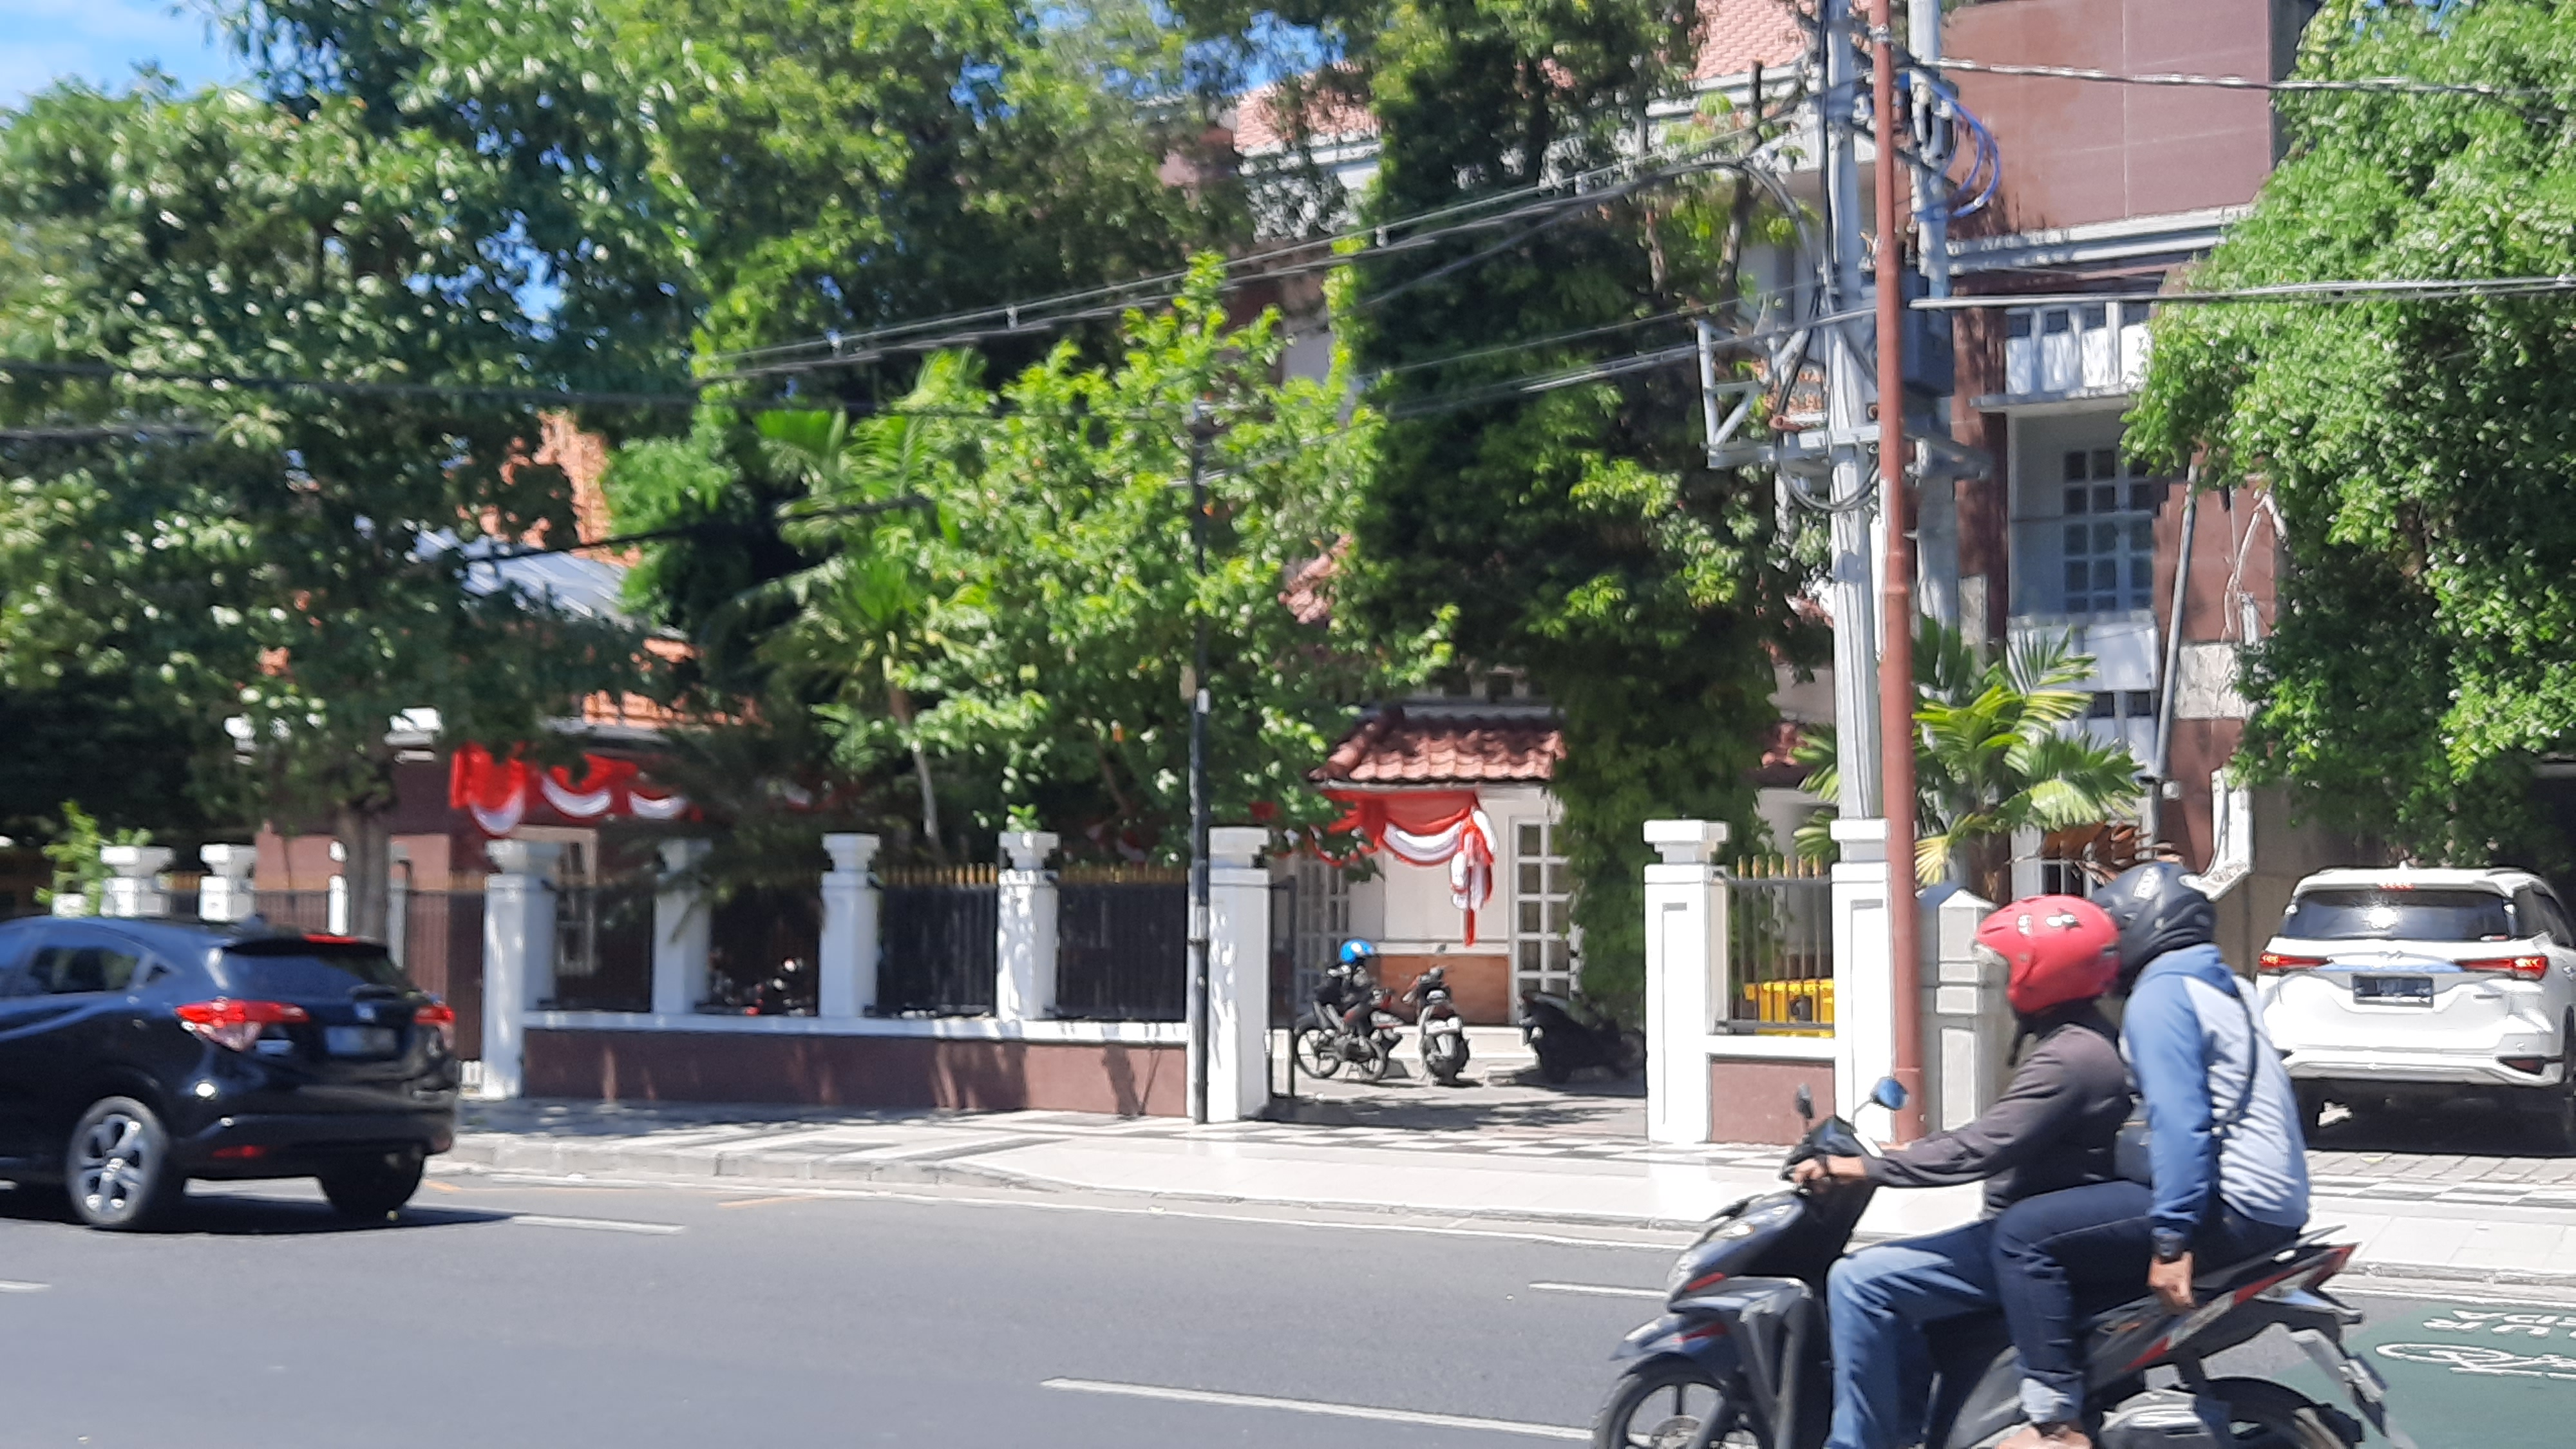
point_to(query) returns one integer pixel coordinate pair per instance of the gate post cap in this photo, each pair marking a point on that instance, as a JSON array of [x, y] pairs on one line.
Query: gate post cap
[[852, 853], [1028, 849], [1236, 846], [232, 862], [1686, 842], [136, 862]]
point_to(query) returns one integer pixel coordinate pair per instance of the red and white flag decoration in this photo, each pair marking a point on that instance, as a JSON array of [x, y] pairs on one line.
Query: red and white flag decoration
[[497, 792], [1429, 827]]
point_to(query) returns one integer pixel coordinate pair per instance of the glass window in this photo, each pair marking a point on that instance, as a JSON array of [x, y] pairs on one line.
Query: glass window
[[2075, 467], [2380, 914], [1541, 954], [2109, 555], [70, 970], [2056, 320], [2017, 323], [2105, 706], [2142, 704], [307, 966], [2106, 462]]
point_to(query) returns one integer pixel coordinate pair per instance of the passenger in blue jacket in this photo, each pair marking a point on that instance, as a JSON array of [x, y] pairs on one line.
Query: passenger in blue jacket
[[2229, 1163]]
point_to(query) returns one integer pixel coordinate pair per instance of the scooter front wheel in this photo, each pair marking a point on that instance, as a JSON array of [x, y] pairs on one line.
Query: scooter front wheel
[[1665, 1403], [1317, 1053]]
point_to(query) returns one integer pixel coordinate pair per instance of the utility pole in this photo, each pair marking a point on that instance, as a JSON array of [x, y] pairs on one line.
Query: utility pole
[[1896, 589], [1846, 415], [1200, 432]]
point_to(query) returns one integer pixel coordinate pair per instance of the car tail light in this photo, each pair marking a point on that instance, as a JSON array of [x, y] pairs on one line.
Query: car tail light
[[2520, 968], [2532, 1065], [441, 1015], [236, 1024], [2274, 963]]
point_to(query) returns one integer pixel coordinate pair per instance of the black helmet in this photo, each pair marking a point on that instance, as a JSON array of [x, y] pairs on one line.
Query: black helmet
[[2157, 910]]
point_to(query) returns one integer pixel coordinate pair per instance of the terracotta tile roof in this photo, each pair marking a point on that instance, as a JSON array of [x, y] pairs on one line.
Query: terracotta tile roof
[[1393, 748], [1736, 34]]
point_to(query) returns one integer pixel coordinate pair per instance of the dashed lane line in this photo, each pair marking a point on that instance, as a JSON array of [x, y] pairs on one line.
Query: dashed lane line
[[1599, 1290], [9, 1286], [597, 1225], [1318, 1406]]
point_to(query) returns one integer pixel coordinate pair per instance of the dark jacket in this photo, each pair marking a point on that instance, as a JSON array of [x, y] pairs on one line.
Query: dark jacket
[[2054, 1126]]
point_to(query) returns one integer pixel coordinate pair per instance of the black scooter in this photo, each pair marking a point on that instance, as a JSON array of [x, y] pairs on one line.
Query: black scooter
[[1741, 1357], [1569, 1038]]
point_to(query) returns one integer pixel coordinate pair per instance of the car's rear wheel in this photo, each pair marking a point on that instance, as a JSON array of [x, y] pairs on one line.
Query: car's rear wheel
[[117, 1169], [374, 1190]]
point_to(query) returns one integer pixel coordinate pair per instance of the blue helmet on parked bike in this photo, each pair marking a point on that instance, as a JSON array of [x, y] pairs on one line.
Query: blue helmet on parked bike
[[1356, 952]]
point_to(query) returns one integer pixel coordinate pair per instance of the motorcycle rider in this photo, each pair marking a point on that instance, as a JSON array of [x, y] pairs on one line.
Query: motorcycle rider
[[2230, 1176], [2054, 1127], [1347, 990]]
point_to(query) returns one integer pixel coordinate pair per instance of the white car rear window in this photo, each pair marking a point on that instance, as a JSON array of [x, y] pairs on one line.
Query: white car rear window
[[2366, 914]]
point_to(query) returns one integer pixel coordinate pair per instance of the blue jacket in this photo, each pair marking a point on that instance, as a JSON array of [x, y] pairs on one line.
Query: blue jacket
[[2190, 1036]]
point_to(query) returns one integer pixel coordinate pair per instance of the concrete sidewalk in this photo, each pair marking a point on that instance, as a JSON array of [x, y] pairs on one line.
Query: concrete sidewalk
[[2435, 1226]]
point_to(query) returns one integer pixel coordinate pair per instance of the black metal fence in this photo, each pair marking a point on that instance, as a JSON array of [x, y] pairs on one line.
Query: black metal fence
[[443, 953], [294, 910], [937, 940], [604, 947], [762, 946], [1122, 943], [1779, 950]]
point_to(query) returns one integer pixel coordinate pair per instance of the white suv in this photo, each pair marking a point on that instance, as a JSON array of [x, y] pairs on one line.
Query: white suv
[[2413, 984]]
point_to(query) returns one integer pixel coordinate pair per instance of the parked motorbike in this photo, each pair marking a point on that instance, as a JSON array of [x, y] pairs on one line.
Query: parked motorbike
[[1741, 1356], [1363, 1038], [1443, 1032], [1569, 1037]]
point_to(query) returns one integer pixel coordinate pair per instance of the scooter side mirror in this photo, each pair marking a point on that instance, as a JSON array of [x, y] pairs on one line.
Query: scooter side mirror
[[1806, 1105], [1889, 1093]]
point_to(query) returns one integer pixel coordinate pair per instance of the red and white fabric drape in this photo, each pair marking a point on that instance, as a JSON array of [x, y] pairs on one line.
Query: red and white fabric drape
[[497, 793], [1429, 827]]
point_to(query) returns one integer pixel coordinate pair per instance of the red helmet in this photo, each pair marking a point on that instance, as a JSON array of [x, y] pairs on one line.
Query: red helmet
[[2060, 949]]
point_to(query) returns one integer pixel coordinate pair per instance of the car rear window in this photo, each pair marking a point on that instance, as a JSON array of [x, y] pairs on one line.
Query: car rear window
[[2365, 914], [308, 966]]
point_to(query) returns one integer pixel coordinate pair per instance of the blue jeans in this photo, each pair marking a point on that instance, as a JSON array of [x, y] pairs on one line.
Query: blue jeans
[[2049, 1247], [1878, 1299]]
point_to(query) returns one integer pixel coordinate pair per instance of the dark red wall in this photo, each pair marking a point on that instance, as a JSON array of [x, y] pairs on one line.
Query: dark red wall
[[856, 1071], [1756, 1101]]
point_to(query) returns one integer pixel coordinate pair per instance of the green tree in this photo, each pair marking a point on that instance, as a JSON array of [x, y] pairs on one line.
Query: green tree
[[2419, 450], [1991, 757], [1577, 533], [415, 198], [1046, 617]]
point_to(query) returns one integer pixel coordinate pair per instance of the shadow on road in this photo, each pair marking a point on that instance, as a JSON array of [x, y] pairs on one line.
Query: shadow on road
[[2468, 1126], [1517, 1102], [235, 1214]]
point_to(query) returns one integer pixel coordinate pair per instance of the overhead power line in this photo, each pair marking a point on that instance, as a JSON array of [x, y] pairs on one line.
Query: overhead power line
[[2379, 85], [2429, 289]]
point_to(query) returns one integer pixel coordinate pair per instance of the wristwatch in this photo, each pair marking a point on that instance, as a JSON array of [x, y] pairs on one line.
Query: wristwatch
[[2171, 1247]]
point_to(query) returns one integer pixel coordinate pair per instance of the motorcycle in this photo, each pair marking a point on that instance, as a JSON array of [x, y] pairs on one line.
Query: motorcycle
[[1741, 1357], [1364, 1039], [1567, 1042], [1443, 1031]]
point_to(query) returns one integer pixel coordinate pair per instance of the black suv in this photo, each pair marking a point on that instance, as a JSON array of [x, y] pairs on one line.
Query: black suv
[[135, 1055]]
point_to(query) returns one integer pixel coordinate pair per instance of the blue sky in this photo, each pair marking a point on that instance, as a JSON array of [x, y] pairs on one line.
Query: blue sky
[[101, 41]]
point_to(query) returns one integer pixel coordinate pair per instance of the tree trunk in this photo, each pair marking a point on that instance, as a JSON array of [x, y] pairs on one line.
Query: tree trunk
[[366, 839], [899, 704]]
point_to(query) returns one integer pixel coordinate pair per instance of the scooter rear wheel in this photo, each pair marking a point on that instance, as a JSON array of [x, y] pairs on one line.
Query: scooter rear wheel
[[2274, 1417], [1374, 1066], [1663, 1403]]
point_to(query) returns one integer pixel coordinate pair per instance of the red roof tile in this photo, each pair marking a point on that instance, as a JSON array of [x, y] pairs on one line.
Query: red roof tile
[[1393, 748]]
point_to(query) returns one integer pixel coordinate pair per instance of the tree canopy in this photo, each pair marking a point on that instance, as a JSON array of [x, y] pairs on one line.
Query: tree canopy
[[421, 217], [2419, 450]]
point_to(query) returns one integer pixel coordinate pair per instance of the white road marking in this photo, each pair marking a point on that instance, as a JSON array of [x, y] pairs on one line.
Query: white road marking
[[603, 1225], [7, 1286], [1665, 1244], [1318, 1406], [1600, 1290]]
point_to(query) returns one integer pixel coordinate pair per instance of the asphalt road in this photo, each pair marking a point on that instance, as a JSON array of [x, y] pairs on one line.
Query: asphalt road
[[507, 1313]]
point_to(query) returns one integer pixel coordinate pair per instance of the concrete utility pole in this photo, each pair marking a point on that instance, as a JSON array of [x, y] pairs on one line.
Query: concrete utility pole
[[1896, 590], [1846, 415]]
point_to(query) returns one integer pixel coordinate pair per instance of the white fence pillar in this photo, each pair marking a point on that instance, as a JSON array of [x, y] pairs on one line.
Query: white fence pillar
[[1864, 973], [848, 986], [1967, 1023], [1685, 950], [679, 931], [135, 889], [1025, 943], [518, 955], [226, 893], [335, 903], [1238, 974]]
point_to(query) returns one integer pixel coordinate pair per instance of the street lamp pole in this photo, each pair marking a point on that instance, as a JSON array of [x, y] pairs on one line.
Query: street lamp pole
[[1896, 588], [1200, 431]]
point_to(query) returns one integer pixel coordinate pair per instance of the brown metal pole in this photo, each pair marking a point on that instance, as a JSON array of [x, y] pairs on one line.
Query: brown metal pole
[[1896, 731]]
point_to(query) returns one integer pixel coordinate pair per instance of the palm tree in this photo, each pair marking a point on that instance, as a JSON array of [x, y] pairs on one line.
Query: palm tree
[[861, 610], [1991, 756]]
